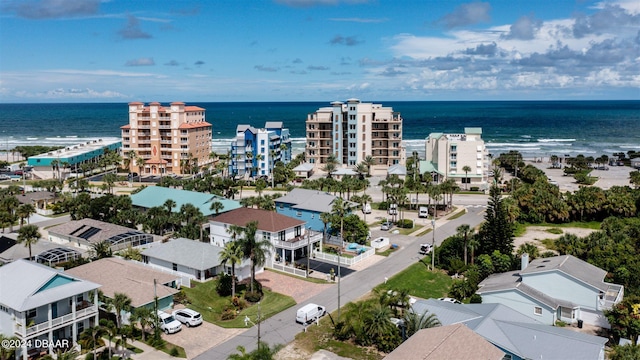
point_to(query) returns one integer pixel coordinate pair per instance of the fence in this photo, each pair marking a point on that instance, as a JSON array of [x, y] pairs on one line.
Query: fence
[[286, 269], [347, 261], [185, 279]]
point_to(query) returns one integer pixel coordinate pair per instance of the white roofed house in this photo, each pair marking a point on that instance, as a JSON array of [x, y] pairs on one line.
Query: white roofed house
[[44, 306], [556, 288], [290, 237], [193, 259]]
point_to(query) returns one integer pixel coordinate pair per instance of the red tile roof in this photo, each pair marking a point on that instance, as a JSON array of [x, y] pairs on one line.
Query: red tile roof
[[128, 126], [193, 125], [269, 221]]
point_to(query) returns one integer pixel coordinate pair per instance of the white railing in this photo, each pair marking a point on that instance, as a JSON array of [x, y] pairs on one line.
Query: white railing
[[299, 243], [286, 269], [59, 321], [346, 261]]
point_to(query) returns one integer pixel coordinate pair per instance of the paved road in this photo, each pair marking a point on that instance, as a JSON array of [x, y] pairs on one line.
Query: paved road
[[282, 328]]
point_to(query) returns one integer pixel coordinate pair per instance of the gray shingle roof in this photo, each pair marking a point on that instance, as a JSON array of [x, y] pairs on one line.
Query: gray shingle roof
[[191, 253], [105, 230], [515, 332], [511, 280], [22, 282], [122, 276], [571, 266], [273, 125], [305, 199]]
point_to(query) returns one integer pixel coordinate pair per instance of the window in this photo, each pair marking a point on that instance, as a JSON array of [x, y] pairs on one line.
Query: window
[[537, 310], [265, 236], [281, 236], [175, 267], [298, 230]]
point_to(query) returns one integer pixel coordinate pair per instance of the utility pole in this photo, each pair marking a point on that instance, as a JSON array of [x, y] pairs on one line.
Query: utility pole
[[433, 245], [308, 251], [247, 320], [339, 253]]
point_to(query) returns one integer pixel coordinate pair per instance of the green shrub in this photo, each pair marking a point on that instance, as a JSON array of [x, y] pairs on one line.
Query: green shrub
[[174, 352], [383, 205], [224, 285], [239, 303], [252, 296], [560, 323], [475, 299], [474, 188], [404, 223], [554, 230]]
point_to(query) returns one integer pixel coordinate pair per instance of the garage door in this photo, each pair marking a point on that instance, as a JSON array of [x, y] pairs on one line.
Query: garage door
[[594, 318]]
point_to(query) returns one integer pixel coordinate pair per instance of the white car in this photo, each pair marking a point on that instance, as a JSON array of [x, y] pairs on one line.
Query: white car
[[451, 300], [168, 323], [386, 225], [425, 249], [188, 317]]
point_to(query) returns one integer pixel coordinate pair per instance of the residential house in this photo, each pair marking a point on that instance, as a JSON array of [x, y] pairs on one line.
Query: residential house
[[194, 259], [444, 343], [518, 336], [10, 250], [306, 205], [40, 201], [44, 304], [449, 154], [303, 171], [555, 288], [254, 152], [139, 282], [354, 131], [290, 237], [85, 233], [174, 139], [153, 196]]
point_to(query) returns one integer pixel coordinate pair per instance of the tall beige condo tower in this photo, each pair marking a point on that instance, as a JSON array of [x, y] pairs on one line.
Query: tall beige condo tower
[[166, 140]]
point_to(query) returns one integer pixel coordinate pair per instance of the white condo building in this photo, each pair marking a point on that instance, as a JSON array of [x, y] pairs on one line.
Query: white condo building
[[352, 131], [448, 154]]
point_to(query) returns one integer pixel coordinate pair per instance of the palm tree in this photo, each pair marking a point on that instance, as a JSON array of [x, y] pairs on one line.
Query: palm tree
[[71, 354], [232, 253], [378, 325], [466, 170], [463, 231], [326, 219], [255, 250], [120, 302], [369, 161], [340, 208], [145, 318], [263, 352], [91, 338], [414, 322], [24, 211], [101, 249], [272, 156], [110, 330], [216, 206], [7, 352], [29, 235], [473, 244]]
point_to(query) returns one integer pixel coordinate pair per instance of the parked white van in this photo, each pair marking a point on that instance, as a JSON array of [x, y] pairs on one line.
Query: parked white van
[[309, 313], [423, 212], [168, 323], [366, 208]]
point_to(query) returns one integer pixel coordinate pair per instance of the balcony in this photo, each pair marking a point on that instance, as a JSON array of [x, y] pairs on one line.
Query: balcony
[[86, 311], [298, 242]]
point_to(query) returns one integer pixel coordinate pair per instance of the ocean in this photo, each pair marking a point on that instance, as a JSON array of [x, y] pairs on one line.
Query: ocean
[[535, 128]]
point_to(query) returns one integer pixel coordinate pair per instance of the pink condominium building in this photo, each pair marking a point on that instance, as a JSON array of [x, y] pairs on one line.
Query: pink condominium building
[[173, 139]]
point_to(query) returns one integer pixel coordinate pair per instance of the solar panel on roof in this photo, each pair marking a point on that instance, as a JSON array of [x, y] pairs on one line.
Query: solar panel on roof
[[77, 230], [89, 233]]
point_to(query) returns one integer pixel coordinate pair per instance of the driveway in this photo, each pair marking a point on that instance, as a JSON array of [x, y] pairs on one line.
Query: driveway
[[300, 290], [198, 339]]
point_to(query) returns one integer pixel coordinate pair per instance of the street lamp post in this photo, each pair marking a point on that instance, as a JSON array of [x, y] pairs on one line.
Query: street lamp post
[[433, 245]]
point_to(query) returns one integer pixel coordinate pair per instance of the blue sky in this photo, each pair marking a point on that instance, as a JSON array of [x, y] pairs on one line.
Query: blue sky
[[318, 50]]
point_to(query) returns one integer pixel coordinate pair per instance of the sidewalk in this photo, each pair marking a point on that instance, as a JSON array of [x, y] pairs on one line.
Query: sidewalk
[[148, 353]]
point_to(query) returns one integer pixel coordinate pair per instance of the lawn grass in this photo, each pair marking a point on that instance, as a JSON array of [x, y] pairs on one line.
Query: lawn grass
[[204, 299], [419, 281], [575, 224], [410, 230], [320, 337], [309, 279], [457, 215], [416, 278], [386, 252], [425, 232]]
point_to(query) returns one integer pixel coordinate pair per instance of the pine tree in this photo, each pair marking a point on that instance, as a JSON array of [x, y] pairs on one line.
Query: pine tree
[[496, 232]]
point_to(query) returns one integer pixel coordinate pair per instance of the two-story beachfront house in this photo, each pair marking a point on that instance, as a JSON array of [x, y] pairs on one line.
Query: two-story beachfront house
[[254, 152], [290, 238], [556, 288], [41, 305], [306, 205]]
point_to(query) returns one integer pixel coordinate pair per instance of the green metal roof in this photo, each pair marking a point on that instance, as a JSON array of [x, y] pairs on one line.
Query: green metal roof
[[428, 167], [157, 195], [473, 130]]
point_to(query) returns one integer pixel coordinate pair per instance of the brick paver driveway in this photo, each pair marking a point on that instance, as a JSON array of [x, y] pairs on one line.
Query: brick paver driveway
[[299, 289]]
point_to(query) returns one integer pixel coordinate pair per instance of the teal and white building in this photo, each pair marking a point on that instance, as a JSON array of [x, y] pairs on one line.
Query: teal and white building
[[61, 162]]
